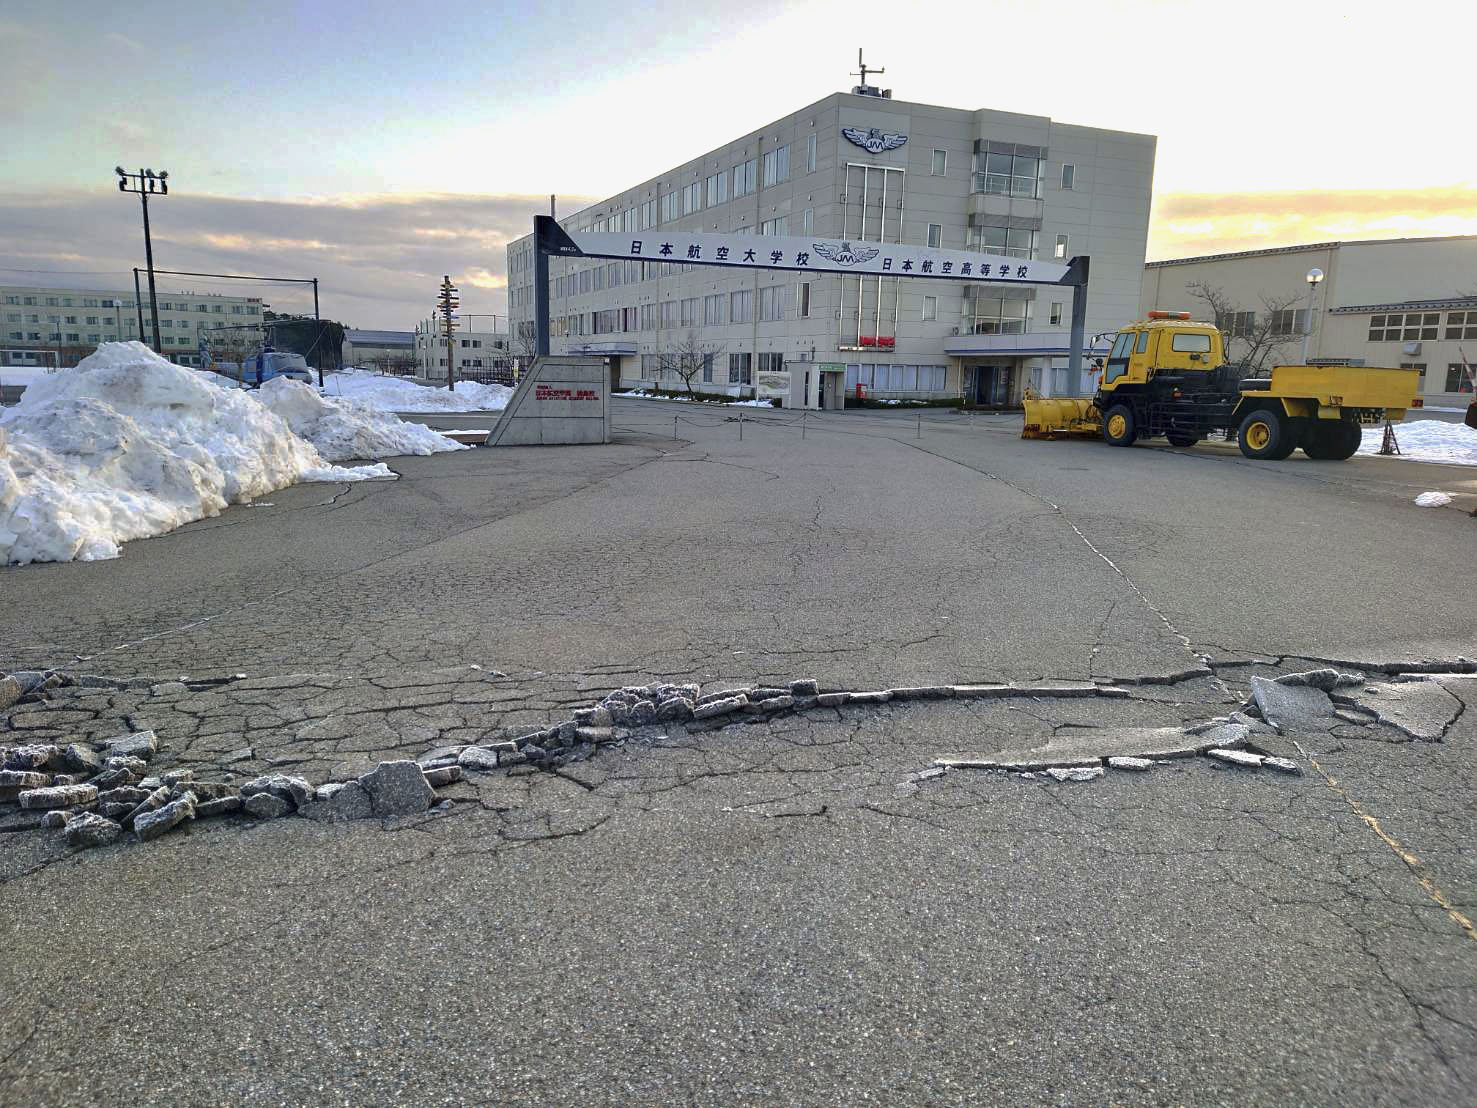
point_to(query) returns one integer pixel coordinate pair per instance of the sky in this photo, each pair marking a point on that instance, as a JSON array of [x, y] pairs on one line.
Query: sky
[[378, 145]]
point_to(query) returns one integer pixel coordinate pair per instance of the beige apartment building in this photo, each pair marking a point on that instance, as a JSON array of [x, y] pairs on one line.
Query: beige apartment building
[[1381, 302], [861, 167]]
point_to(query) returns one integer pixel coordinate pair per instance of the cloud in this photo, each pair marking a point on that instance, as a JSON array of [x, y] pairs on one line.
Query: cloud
[[1185, 224], [378, 259]]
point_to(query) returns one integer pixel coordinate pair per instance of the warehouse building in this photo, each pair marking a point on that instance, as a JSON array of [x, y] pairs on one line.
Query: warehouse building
[[1383, 302], [861, 167]]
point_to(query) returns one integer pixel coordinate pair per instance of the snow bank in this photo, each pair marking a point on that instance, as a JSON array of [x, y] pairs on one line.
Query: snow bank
[[343, 429], [127, 445], [396, 394], [1427, 440]]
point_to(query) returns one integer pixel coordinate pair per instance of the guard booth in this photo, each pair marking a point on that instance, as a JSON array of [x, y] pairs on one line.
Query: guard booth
[[817, 386]]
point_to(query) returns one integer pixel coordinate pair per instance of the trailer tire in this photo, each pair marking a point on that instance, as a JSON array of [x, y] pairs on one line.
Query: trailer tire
[[1119, 426], [1177, 439], [1266, 435], [1332, 440]]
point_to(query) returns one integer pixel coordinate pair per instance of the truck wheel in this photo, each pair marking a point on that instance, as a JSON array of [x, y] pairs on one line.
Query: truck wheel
[[1118, 426], [1329, 440], [1177, 439], [1266, 435]]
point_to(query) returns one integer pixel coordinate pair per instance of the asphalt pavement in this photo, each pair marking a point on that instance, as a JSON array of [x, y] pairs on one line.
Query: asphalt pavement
[[782, 911]]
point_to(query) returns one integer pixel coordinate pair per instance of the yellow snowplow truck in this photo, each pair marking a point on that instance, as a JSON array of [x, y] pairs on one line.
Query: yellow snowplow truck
[[1167, 377]]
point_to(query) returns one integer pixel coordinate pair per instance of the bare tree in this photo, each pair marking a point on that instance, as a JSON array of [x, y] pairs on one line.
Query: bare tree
[[687, 358], [1252, 338]]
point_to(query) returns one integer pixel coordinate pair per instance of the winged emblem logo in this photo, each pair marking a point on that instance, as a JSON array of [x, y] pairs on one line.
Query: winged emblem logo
[[845, 254], [873, 139]]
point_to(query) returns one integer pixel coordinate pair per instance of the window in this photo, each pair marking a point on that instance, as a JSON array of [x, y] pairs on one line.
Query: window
[[648, 317], [1421, 366], [771, 363], [1056, 313], [772, 303], [628, 220], [810, 153], [940, 163], [777, 226], [744, 178], [1013, 242], [1142, 345], [777, 165], [1187, 344], [741, 306], [935, 234], [51, 302], [990, 315], [628, 321], [1069, 176], [692, 198], [807, 222], [669, 314], [689, 312], [12, 299], [648, 214], [1006, 174], [1461, 325], [930, 307], [740, 369], [1457, 378], [717, 189], [708, 369], [1295, 322], [802, 301], [1061, 246], [1236, 324], [715, 310], [1398, 326], [670, 209]]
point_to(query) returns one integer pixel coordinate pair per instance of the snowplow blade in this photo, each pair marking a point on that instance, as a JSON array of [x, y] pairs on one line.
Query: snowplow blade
[[1058, 416]]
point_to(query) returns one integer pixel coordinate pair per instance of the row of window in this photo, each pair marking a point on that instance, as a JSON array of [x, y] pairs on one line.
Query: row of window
[[896, 378], [1408, 326], [93, 302], [1458, 377]]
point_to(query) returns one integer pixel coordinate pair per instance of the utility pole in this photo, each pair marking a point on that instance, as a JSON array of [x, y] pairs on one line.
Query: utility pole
[[146, 182], [447, 305]]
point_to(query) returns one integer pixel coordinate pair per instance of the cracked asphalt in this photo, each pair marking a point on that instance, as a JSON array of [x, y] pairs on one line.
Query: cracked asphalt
[[777, 911]]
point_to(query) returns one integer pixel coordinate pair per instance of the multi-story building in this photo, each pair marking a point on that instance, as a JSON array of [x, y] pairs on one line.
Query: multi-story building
[[480, 355], [1382, 302], [57, 326], [386, 351], [1018, 185]]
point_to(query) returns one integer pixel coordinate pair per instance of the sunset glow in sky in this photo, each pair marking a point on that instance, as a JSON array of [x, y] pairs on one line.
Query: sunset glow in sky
[[366, 144]]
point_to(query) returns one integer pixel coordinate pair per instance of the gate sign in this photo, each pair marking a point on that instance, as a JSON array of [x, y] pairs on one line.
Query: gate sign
[[807, 254]]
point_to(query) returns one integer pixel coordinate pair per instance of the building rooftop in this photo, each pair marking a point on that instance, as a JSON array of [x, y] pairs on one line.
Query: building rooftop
[[1302, 247], [380, 338], [1409, 305]]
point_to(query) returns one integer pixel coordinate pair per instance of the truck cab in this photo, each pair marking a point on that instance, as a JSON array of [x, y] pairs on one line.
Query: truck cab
[[258, 369], [1165, 342]]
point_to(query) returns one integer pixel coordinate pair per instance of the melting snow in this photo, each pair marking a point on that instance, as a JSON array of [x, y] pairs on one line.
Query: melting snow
[[1427, 440], [1433, 500]]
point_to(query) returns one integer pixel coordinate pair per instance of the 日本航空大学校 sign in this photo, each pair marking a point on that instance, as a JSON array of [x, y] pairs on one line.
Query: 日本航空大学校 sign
[[807, 254]]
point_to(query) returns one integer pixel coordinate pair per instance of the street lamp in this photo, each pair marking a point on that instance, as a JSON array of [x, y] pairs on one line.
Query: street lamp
[[146, 182], [1314, 276]]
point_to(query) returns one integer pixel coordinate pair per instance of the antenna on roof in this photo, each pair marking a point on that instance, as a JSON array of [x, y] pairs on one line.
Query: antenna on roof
[[865, 89]]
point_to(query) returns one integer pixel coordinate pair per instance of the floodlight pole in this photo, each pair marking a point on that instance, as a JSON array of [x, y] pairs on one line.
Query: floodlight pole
[[1076, 277], [144, 182], [138, 299]]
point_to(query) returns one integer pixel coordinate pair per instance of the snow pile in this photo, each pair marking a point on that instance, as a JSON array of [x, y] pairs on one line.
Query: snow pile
[[1433, 500], [344, 429], [642, 394], [396, 394], [1427, 440], [127, 445]]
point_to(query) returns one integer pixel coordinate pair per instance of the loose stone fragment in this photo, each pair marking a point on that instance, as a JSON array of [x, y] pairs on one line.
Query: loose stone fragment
[[131, 795], [23, 779], [438, 778], [923, 692], [156, 799], [175, 776], [397, 789], [720, 707], [1243, 758], [265, 805], [593, 717], [1074, 773], [832, 699], [674, 708], [777, 703], [478, 758], [59, 796], [879, 697], [594, 734], [151, 825], [82, 759], [217, 807], [1283, 765], [642, 712], [1135, 765], [10, 691], [1325, 679], [565, 730], [806, 686], [294, 790], [55, 818], [67, 779], [725, 694], [349, 802], [141, 744], [88, 830], [1292, 707], [33, 756]]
